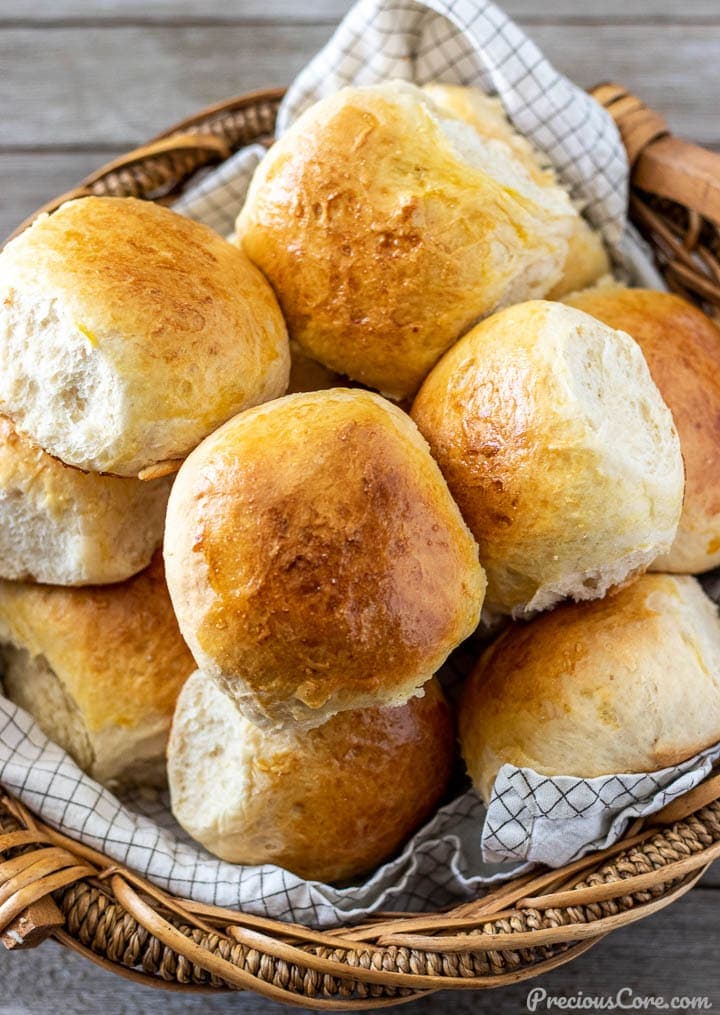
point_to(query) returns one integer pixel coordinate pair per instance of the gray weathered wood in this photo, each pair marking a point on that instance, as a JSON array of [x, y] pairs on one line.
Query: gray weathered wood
[[28, 180], [712, 878], [640, 11], [673, 70], [115, 87], [95, 87], [670, 954]]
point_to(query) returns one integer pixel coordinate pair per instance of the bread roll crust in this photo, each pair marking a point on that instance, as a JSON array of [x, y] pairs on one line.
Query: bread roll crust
[[682, 349], [329, 803], [316, 560], [487, 115], [630, 683], [61, 526], [586, 260], [128, 332], [559, 451], [386, 231], [118, 655]]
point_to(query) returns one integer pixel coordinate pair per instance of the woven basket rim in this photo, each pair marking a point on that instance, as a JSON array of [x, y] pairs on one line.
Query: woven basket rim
[[529, 925]]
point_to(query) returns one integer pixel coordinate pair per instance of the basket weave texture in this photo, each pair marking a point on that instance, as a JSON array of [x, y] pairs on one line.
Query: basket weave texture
[[53, 886]]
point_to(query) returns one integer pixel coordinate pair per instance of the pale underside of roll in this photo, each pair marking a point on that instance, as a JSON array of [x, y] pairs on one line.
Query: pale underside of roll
[[62, 526], [682, 349]]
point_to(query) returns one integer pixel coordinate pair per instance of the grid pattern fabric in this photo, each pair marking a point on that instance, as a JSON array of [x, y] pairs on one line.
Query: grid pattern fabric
[[556, 820]]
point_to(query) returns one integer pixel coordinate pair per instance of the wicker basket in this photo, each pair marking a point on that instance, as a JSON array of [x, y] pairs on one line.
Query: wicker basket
[[53, 886]]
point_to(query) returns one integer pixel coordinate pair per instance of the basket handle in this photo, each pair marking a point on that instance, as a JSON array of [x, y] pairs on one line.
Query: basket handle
[[662, 164], [199, 149]]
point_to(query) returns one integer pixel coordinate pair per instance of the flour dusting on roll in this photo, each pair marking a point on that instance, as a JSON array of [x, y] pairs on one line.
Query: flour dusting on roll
[[387, 228], [559, 451], [630, 683], [316, 560], [328, 804]]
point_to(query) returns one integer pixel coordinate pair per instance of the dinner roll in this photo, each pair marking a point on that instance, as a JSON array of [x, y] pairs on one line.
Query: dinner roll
[[328, 804], [99, 668], [586, 260], [316, 560], [682, 349], [127, 333], [630, 683], [487, 115], [387, 229], [559, 450], [66, 527]]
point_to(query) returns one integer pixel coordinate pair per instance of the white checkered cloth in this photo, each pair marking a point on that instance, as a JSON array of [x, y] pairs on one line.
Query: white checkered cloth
[[531, 817], [554, 821]]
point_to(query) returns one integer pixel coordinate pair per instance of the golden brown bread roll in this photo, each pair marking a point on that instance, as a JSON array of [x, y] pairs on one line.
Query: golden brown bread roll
[[61, 526], [316, 560], [630, 683], [559, 450], [100, 668], [682, 349], [586, 260], [329, 803], [387, 229], [127, 333]]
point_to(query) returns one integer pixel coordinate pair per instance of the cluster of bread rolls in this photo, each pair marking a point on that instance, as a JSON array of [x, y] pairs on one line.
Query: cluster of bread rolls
[[127, 334], [327, 546]]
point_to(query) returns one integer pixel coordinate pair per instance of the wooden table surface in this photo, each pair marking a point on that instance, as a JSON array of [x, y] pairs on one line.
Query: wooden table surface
[[84, 80]]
